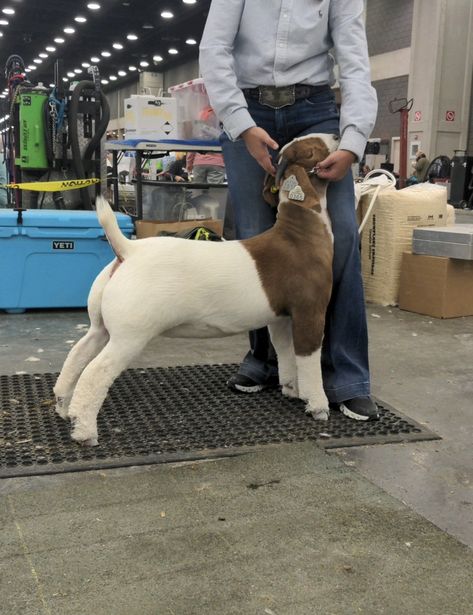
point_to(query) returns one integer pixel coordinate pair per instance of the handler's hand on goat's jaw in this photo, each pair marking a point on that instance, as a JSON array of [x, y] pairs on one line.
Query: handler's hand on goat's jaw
[[336, 165]]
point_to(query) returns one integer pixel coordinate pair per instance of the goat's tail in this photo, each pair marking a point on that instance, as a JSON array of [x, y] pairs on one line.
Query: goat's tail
[[119, 243]]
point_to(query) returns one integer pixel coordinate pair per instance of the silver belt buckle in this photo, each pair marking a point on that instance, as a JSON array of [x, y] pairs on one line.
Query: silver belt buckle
[[276, 98]]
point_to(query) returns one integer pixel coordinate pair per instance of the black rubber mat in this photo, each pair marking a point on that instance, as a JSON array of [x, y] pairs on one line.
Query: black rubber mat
[[167, 414]]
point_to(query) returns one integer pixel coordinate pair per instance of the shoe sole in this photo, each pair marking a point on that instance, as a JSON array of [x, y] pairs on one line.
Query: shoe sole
[[357, 417], [242, 389]]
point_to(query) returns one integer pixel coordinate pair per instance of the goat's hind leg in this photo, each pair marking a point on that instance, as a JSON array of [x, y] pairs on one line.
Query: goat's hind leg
[[86, 348], [94, 383], [78, 358]]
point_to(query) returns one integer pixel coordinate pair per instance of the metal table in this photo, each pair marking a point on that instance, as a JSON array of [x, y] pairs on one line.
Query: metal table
[[141, 147]]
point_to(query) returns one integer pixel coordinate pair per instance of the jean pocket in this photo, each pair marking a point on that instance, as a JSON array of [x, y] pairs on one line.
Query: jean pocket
[[325, 102]]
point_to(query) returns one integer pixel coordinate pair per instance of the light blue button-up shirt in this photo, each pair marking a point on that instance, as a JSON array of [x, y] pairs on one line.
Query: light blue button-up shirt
[[247, 43]]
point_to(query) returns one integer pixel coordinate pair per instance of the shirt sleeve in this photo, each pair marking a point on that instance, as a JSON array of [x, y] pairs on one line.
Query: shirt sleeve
[[217, 66], [358, 97]]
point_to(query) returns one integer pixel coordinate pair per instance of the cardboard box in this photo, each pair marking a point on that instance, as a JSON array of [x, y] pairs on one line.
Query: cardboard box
[[388, 233], [150, 118], [436, 286], [148, 228]]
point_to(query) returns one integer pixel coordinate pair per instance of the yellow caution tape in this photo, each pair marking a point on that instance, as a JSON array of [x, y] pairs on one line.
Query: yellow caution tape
[[57, 186]]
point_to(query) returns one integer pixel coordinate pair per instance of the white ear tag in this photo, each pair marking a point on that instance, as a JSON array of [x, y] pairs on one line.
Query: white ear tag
[[296, 194], [290, 183]]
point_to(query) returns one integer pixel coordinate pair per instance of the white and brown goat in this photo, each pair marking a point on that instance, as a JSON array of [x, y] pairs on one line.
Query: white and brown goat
[[281, 278]]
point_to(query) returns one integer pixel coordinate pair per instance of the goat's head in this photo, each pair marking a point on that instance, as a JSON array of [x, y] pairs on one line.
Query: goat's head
[[299, 158]]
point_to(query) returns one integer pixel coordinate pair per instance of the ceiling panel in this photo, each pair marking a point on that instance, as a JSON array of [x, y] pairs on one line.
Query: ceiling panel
[[36, 23]]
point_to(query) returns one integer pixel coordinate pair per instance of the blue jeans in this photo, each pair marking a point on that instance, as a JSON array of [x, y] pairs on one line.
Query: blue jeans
[[345, 367]]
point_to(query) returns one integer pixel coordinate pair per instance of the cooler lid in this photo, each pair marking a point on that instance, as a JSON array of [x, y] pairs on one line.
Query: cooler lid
[[53, 218]]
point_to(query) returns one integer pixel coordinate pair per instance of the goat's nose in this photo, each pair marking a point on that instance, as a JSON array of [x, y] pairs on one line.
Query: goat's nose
[[336, 137]]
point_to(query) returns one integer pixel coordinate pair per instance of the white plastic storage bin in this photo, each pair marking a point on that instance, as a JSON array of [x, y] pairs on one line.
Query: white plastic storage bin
[[150, 117], [174, 206], [195, 117]]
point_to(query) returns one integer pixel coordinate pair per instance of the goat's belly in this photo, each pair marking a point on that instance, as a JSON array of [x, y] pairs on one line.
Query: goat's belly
[[219, 327], [197, 330]]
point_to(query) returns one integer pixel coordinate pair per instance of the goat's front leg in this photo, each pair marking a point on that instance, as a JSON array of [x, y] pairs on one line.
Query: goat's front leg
[[308, 335], [281, 338]]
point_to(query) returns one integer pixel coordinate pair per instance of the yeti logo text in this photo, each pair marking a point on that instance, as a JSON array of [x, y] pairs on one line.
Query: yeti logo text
[[63, 245]]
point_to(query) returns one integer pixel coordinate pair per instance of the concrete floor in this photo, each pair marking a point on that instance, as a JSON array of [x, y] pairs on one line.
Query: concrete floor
[[374, 529]]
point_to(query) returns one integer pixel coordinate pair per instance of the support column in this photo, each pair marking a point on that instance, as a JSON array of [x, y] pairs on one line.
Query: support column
[[440, 76]]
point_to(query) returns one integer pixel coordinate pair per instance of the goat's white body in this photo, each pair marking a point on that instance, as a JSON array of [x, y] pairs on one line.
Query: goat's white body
[[181, 288]]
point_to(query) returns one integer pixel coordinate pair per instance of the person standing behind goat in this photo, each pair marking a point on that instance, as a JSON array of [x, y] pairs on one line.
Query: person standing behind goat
[[268, 71], [206, 168]]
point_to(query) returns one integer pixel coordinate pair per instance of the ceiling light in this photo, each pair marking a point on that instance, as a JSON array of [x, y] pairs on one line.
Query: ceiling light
[[59, 40], [71, 74], [38, 61], [3, 22], [191, 41], [52, 85], [132, 37], [122, 73], [78, 71], [104, 81], [27, 70], [65, 79], [105, 54], [173, 51], [69, 30], [94, 59], [167, 15], [43, 55], [189, 1], [80, 19], [112, 78], [117, 46], [147, 26], [8, 11], [93, 6], [85, 64], [132, 68], [144, 63], [50, 48], [157, 58], [1, 34], [32, 67]]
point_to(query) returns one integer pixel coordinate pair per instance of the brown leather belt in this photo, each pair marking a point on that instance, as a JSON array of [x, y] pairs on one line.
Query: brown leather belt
[[282, 97]]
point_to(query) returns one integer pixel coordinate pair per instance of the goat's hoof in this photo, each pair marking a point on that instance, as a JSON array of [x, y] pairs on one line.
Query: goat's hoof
[[319, 414], [84, 436], [289, 390]]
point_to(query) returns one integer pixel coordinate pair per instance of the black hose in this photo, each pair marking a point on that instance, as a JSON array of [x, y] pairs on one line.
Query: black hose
[[77, 159]]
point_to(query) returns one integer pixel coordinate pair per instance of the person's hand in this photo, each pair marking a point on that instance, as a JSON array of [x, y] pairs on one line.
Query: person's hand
[[257, 142], [335, 166]]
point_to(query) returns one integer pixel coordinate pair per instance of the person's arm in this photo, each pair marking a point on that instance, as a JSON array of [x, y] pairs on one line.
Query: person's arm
[[217, 68], [359, 101]]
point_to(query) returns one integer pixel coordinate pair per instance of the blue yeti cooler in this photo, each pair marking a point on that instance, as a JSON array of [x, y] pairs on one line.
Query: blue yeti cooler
[[52, 258]]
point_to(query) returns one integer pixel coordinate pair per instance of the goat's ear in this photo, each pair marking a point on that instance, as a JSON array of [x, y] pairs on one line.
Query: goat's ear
[[270, 192]]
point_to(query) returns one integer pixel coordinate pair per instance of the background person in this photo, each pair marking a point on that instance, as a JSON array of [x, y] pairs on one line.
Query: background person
[[286, 47], [206, 168]]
